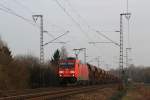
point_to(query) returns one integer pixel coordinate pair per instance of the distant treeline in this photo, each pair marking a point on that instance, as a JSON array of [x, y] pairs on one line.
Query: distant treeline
[[136, 73], [23, 72]]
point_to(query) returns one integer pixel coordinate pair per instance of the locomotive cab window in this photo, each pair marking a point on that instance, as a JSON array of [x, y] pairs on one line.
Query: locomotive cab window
[[67, 64]]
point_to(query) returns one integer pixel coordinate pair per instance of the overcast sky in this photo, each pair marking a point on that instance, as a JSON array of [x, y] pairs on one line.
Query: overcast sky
[[84, 17]]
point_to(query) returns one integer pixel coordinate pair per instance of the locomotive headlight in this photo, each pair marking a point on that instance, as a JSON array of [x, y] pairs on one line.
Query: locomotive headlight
[[61, 72], [60, 75], [72, 72]]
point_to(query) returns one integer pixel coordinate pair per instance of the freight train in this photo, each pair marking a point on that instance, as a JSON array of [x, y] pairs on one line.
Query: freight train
[[73, 71]]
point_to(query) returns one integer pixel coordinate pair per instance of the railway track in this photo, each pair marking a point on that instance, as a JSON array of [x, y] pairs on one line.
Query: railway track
[[54, 93], [26, 91]]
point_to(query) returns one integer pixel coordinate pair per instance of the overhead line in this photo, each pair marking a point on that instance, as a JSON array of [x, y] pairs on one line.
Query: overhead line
[[89, 27], [75, 21], [77, 13], [107, 38], [51, 35], [23, 6], [31, 12], [79, 16], [78, 25], [10, 11], [56, 38]]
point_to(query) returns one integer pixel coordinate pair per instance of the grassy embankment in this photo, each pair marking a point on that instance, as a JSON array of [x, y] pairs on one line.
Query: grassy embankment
[[118, 95], [133, 92], [138, 92], [122, 91]]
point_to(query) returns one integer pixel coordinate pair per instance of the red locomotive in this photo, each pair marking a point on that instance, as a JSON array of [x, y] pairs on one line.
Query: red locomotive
[[72, 70]]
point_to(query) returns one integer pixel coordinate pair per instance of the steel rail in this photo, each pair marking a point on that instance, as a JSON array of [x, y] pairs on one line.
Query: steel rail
[[66, 93], [53, 93], [27, 91]]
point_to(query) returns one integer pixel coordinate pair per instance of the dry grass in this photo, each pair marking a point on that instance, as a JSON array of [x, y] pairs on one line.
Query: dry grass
[[140, 92]]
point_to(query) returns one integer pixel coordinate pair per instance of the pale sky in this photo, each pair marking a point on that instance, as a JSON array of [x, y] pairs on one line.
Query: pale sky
[[102, 15]]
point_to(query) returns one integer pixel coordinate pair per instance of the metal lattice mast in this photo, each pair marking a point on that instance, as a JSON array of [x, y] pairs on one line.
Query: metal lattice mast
[[41, 42], [121, 60], [77, 51], [127, 63], [121, 47], [98, 60], [35, 17], [127, 57]]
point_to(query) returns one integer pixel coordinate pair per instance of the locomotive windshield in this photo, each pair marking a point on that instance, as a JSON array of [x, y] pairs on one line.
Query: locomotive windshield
[[67, 64]]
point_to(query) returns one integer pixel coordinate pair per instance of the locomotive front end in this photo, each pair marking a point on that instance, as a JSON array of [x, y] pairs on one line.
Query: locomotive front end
[[67, 71]]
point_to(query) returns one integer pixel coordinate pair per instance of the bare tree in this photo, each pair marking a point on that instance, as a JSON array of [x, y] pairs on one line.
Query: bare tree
[[5, 53]]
